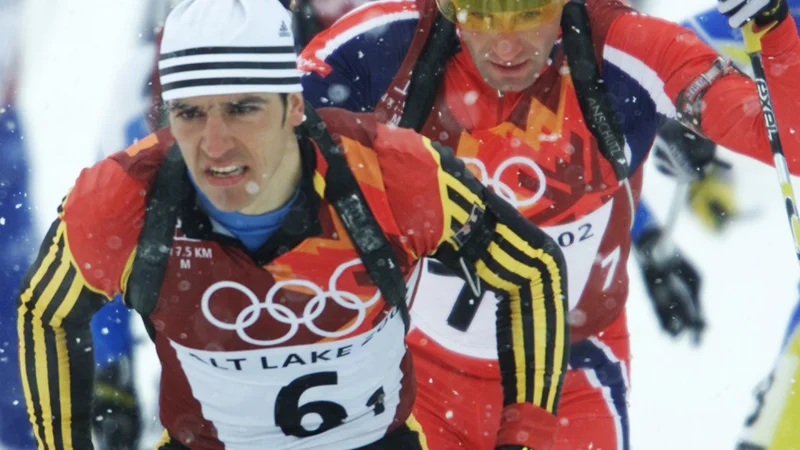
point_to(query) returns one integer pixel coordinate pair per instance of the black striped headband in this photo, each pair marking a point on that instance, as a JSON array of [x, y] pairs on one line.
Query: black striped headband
[[228, 70]]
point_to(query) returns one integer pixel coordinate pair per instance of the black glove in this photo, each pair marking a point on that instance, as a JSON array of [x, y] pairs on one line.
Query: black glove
[[763, 12], [681, 153], [116, 420], [673, 285], [513, 447]]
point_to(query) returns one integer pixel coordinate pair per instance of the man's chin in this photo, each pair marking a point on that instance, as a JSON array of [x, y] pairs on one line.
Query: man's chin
[[226, 202], [506, 84], [511, 79], [510, 87]]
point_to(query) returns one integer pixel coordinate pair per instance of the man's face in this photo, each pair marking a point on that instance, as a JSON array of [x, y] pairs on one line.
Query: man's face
[[511, 61], [234, 145]]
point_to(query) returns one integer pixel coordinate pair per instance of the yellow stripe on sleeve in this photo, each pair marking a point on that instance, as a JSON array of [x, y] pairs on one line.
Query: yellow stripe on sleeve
[[447, 205], [540, 317], [414, 425], [465, 192], [64, 380], [516, 322], [22, 312], [40, 347], [52, 294], [319, 184], [164, 441]]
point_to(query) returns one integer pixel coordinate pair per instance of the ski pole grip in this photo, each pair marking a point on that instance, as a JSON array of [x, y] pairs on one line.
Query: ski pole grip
[[752, 36]]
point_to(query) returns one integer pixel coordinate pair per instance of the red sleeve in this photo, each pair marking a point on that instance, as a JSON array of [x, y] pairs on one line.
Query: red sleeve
[[104, 213], [408, 165], [666, 58], [733, 117]]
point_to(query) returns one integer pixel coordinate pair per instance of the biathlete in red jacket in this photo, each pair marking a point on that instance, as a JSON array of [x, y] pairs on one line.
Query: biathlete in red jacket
[[499, 91]]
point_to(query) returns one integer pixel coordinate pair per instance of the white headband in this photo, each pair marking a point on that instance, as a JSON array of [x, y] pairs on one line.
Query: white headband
[[213, 47]]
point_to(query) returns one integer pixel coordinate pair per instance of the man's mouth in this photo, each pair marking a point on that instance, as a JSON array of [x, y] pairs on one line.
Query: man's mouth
[[509, 67], [509, 63], [226, 171], [226, 176]]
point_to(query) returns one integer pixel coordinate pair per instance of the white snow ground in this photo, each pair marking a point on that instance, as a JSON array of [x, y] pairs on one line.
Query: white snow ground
[[682, 398]]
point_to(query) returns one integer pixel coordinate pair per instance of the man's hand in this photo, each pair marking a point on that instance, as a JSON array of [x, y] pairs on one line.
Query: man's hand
[[673, 285], [682, 153], [763, 12], [690, 158], [116, 420]]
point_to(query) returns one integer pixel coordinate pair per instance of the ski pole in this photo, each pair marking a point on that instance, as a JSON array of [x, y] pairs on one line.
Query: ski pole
[[752, 43], [667, 246]]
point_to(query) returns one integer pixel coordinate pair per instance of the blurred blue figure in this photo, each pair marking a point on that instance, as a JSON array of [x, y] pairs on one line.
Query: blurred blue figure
[[17, 245]]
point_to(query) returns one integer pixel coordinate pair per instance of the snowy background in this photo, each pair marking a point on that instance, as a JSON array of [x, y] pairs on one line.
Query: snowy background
[[683, 397]]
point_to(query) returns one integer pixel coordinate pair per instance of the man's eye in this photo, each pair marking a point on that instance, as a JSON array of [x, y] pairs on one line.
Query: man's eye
[[480, 17], [242, 109], [188, 114]]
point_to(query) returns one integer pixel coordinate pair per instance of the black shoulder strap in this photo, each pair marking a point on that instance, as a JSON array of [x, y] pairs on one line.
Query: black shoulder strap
[[427, 73], [589, 86], [155, 240], [343, 192]]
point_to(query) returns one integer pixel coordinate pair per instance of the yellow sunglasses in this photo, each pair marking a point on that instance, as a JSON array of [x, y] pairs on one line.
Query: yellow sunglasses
[[500, 15]]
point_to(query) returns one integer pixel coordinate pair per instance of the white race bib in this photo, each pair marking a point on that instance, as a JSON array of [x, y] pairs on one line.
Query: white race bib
[[445, 309], [340, 394]]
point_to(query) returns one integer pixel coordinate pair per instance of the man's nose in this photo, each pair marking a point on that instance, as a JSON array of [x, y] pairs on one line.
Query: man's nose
[[507, 46], [217, 138]]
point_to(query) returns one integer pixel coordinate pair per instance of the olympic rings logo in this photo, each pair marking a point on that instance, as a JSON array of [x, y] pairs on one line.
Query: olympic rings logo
[[505, 191], [313, 309]]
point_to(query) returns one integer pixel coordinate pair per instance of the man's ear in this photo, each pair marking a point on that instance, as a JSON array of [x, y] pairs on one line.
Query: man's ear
[[295, 109]]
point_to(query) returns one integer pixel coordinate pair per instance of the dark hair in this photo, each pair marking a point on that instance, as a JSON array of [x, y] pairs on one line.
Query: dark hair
[[285, 103]]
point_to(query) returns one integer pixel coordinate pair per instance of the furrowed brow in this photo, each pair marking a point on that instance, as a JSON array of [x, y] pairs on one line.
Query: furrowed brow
[[178, 106], [248, 101]]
